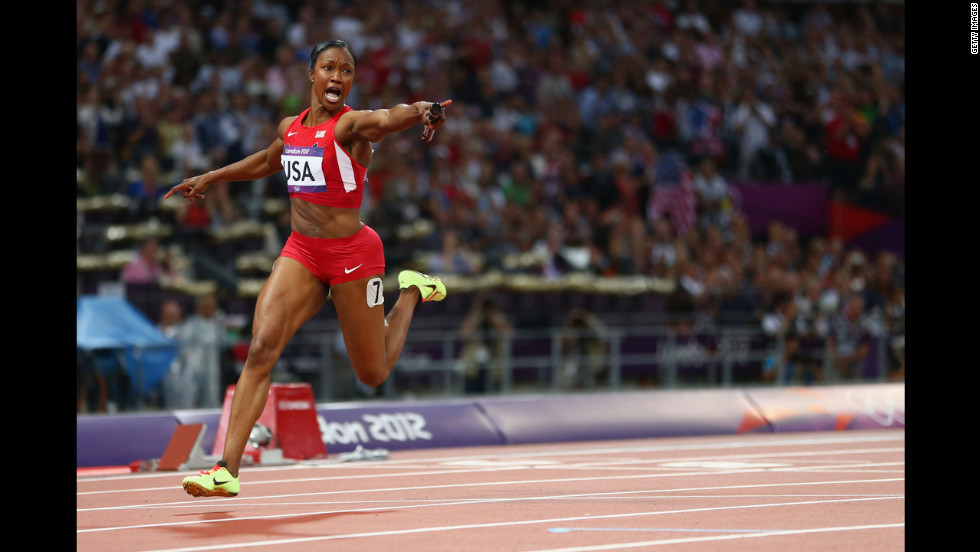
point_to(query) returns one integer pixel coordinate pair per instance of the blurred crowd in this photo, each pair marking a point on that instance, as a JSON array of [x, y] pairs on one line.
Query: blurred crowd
[[595, 137]]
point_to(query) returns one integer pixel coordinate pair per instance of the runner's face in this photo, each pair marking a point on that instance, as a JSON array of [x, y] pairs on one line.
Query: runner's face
[[333, 77]]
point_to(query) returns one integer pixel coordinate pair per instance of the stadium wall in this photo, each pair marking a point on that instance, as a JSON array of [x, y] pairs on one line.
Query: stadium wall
[[116, 440]]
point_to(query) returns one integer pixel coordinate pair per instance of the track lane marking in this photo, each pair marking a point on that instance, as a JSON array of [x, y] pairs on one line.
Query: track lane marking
[[500, 468], [252, 544], [778, 533], [447, 486], [474, 501]]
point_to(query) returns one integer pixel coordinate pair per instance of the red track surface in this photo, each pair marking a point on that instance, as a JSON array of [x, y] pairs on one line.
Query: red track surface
[[840, 490]]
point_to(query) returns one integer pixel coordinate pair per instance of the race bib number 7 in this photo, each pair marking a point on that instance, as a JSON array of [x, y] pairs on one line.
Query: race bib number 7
[[375, 292]]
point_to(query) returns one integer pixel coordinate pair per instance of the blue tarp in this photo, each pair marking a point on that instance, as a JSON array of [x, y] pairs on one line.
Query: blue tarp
[[114, 323]]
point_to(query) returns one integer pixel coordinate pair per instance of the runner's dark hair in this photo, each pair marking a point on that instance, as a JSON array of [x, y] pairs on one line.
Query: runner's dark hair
[[321, 46]]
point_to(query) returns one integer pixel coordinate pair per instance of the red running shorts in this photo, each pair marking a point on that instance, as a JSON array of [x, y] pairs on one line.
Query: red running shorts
[[338, 260]]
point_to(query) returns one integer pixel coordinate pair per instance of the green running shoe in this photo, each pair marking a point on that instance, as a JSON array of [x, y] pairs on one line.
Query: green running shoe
[[215, 482], [432, 288]]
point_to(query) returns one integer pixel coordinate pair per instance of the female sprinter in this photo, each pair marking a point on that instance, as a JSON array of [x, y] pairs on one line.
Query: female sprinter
[[325, 151]]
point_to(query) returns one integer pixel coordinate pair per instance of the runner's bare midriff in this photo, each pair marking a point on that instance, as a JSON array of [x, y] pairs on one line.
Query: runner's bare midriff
[[322, 221]]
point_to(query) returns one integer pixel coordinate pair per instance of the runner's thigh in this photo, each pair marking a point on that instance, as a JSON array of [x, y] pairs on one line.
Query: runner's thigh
[[290, 297], [360, 309]]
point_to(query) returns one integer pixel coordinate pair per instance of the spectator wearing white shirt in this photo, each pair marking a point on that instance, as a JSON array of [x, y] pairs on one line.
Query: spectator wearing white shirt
[[753, 121], [748, 20], [663, 249], [714, 196], [782, 318], [693, 18], [194, 380]]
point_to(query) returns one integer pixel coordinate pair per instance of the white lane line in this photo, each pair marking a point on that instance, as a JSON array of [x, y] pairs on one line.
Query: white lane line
[[643, 493], [634, 496], [809, 455], [472, 484], [252, 544], [176, 476], [744, 441], [837, 468], [831, 465], [657, 530], [779, 533], [460, 502], [732, 457]]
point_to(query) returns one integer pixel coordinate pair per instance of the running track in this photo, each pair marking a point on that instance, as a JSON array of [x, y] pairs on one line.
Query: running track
[[842, 490]]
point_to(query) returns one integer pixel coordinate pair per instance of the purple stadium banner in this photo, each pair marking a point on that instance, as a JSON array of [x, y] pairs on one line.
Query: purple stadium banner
[[624, 415], [118, 440], [405, 425], [890, 236], [801, 206]]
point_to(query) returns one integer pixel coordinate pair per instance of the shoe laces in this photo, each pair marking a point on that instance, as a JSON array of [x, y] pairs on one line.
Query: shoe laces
[[208, 472]]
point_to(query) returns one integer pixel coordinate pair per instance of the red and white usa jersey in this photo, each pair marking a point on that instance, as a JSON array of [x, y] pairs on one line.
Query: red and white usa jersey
[[317, 169]]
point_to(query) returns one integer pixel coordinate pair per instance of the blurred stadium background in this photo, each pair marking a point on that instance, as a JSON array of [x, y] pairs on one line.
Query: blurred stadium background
[[626, 195]]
